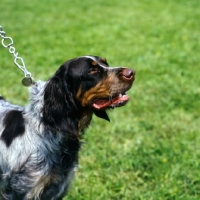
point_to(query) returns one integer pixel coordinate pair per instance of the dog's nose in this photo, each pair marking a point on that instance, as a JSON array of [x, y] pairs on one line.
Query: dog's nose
[[128, 74]]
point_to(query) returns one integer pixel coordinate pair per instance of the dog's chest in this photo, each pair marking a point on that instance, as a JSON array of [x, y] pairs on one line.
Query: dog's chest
[[52, 176]]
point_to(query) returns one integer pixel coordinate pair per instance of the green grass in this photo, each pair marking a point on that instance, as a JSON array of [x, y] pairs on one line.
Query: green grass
[[150, 150]]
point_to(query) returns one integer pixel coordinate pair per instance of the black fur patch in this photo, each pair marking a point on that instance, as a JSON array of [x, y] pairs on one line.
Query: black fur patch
[[1, 98], [14, 126], [1, 175], [102, 114]]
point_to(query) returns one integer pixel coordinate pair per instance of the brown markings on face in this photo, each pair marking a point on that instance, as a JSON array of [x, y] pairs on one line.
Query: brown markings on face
[[78, 94], [86, 114], [101, 90], [104, 89], [94, 62], [103, 60]]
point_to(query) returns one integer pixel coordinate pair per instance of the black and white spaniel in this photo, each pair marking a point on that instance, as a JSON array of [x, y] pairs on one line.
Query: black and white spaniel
[[39, 143]]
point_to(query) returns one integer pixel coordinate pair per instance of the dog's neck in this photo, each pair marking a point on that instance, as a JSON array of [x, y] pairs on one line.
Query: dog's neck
[[84, 120]]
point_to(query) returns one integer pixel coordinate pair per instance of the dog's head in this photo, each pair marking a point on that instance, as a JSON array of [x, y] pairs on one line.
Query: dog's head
[[88, 83]]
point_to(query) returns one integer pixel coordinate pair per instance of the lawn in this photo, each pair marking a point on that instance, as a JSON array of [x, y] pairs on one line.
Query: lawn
[[150, 149]]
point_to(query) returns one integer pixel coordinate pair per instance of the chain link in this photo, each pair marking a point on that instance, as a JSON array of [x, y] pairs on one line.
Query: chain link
[[7, 42]]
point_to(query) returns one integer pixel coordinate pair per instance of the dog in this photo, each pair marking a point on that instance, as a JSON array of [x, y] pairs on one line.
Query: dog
[[39, 143]]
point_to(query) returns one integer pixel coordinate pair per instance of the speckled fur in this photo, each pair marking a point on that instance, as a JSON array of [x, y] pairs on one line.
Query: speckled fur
[[37, 153], [39, 143]]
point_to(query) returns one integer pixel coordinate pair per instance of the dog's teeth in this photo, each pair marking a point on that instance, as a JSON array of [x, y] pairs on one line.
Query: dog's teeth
[[120, 95]]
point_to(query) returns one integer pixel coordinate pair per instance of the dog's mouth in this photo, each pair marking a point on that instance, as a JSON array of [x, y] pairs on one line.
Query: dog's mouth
[[116, 101]]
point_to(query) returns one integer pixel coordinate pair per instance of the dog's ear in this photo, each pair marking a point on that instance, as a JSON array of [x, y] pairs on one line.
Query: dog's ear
[[59, 108], [102, 114]]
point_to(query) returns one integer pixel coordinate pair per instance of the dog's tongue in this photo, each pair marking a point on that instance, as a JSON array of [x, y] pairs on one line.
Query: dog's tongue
[[103, 103]]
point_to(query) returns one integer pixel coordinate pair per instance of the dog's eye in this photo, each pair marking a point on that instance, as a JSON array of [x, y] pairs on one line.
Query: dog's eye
[[93, 70]]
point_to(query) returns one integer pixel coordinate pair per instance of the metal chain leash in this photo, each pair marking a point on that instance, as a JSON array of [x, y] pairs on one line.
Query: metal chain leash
[[7, 42]]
